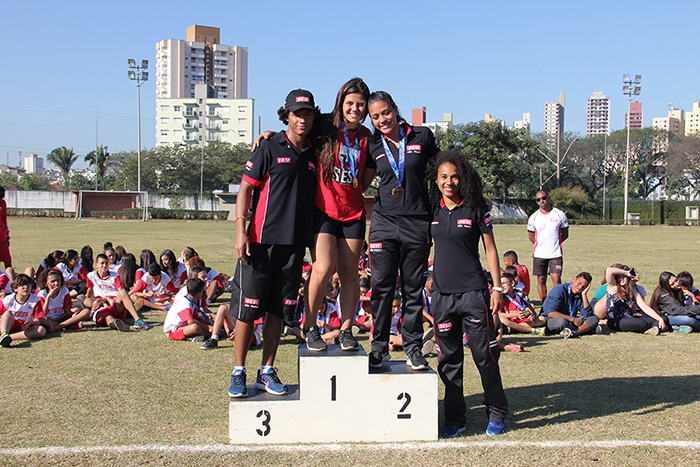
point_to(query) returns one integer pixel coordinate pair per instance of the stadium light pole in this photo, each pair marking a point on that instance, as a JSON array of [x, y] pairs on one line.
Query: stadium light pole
[[138, 74], [630, 88]]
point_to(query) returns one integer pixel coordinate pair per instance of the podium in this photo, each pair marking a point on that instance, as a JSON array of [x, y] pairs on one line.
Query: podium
[[339, 399]]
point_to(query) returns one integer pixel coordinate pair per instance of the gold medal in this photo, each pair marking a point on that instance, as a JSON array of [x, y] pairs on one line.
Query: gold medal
[[398, 192], [354, 182]]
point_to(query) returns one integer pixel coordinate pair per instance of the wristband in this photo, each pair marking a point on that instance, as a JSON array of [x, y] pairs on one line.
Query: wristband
[[497, 289], [239, 217]]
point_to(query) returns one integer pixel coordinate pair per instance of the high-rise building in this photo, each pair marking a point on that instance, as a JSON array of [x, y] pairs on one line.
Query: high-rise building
[[554, 121], [201, 59], [34, 164], [189, 121], [418, 117], [597, 114], [635, 115], [675, 123], [524, 123], [692, 120]]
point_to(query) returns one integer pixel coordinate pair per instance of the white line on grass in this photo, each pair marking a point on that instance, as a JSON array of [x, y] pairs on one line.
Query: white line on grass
[[437, 446]]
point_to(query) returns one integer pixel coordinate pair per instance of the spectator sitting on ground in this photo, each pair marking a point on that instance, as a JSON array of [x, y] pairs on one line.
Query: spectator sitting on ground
[[57, 307], [691, 293], [668, 300], [184, 319], [517, 284], [155, 288], [517, 313], [510, 258], [567, 309], [74, 274], [21, 311]]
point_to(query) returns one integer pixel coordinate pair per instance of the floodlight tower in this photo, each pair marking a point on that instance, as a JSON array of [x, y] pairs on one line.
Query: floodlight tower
[[138, 74], [631, 89]]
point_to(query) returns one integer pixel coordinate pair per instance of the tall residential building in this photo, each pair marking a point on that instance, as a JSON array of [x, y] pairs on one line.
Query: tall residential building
[[204, 117], [34, 164], [418, 117], [554, 121], [597, 114], [635, 115], [675, 123], [692, 120], [200, 59], [524, 123]]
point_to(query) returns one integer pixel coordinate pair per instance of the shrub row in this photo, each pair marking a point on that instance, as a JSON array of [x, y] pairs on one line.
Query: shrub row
[[160, 213], [39, 212]]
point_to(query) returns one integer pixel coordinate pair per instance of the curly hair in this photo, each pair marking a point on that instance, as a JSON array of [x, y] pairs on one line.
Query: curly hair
[[471, 188]]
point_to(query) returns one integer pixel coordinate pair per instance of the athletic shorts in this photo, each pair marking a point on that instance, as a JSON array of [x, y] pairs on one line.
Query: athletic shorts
[[16, 327], [100, 316], [5, 254], [544, 266], [177, 335], [268, 282], [351, 230]]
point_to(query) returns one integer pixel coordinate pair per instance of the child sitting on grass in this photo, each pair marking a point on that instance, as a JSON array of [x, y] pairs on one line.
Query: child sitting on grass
[[185, 318], [20, 313], [58, 310]]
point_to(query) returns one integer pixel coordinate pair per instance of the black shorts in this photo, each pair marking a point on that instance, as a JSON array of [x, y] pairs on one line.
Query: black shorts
[[268, 282], [544, 266], [351, 230]]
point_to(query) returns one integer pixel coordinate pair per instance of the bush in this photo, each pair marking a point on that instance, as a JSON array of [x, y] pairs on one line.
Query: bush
[[39, 212], [161, 213]]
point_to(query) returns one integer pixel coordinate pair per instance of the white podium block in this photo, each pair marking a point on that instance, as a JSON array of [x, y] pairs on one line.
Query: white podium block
[[339, 399]]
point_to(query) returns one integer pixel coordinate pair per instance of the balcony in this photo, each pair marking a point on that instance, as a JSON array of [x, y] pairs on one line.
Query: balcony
[[213, 126]]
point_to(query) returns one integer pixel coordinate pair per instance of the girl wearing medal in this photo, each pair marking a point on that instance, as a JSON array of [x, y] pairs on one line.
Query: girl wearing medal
[[399, 238], [339, 210]]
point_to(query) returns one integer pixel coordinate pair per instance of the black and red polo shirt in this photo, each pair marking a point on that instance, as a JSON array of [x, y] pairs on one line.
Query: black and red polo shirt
[[283, 197], [456, 233], [421, 146]]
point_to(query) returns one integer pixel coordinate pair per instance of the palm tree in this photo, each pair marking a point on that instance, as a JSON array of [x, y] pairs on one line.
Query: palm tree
[[100, 160], [63, 158]]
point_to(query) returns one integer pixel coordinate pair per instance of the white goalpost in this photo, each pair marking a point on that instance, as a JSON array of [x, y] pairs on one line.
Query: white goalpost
[[112, 205]]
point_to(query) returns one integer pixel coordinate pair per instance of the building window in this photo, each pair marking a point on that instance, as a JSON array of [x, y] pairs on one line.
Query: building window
[[177, 108], [241, 133], [164, 108], [164, 120], [225, 121], [242, 121], [177, 133], [224, 134], [242, 108], [226, 109], [163, 132]]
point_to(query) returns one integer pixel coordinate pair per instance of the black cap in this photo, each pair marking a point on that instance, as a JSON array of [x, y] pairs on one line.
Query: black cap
[[299, 99]]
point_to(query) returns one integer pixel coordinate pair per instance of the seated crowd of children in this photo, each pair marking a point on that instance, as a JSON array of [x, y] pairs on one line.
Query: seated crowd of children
[[114, 287]]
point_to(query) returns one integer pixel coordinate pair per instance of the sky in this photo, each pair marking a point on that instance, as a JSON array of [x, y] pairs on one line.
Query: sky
[[64, 67]]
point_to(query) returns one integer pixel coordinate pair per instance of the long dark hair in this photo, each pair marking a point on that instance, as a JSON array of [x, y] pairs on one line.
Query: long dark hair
[[384, 97], [171, 270], [86, 257], [664, 288], [127, 274], [147, 258], [471, 188], [328, 132]]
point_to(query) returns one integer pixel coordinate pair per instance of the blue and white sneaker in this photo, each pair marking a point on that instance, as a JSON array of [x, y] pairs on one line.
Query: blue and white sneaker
[[271, 383], [495, 429], [449, 431], [237, 388]]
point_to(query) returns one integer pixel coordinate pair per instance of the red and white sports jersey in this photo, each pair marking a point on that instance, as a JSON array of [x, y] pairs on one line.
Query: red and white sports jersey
[[32, 308], [140, 272], [164, 287], [180, 312], [331, 316], [116, 267], [5, 283], [181, 276], [79, 273], [103, 288], [57, 305]]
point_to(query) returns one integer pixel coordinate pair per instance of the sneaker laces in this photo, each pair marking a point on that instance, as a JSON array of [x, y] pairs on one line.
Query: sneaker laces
[[239, 378]]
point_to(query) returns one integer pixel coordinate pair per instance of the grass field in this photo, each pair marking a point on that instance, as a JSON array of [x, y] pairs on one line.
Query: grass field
[[615, 399]]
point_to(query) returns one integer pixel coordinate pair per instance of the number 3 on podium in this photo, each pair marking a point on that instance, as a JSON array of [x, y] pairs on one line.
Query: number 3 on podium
[[265, 423]]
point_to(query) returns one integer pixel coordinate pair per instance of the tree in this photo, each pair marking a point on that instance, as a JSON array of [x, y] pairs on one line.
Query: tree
[[100, 160], [30, 181], [9, 181], [683, 173], [63, 158]]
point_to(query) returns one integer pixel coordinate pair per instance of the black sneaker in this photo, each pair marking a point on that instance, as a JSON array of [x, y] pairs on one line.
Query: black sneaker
[[347, 340], [5, 340], [314, 342], [210, 344], [415, 360], [377, 358]]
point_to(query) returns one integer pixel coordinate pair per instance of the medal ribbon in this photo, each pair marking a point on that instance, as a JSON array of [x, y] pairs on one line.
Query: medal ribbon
[[398, 170], [196, 307], [353, 151], [519, 303]]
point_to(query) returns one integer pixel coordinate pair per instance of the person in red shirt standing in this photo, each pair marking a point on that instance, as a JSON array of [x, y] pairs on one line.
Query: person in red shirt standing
[[5, 256]]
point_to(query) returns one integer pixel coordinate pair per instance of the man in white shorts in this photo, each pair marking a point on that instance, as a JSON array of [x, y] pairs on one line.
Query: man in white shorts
[[547, 229]]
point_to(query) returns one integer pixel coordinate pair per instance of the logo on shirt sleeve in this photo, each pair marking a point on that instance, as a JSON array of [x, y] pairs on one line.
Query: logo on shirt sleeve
[[312, 166], [284, 160], [249, 165], [464, 223], [487, 218]]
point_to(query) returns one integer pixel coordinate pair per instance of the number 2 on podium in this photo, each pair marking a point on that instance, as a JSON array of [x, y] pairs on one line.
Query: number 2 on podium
[[401, 414]]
